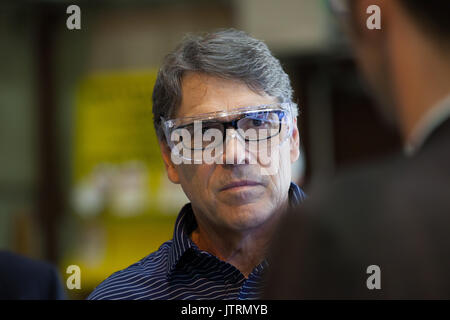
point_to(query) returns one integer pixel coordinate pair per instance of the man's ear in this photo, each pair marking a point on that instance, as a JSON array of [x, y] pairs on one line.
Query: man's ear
[[172, 173], [294, 143]]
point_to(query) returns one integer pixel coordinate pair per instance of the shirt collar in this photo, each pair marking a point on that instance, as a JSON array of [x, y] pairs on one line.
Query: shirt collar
[[430, 122], [296, 195], [186, 223]]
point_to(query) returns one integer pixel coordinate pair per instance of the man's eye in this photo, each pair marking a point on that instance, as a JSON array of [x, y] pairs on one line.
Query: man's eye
[[208, 127], [257, 122]]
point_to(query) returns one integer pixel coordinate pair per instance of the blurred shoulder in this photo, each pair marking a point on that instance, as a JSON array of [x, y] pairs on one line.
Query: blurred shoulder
[[355, 189], [25, 278]]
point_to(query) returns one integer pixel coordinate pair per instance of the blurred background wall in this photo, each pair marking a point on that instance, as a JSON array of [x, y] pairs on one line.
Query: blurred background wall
[[81, 180]]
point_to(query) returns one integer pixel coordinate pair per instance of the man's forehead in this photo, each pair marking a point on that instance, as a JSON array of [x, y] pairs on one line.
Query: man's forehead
[[204, 94]]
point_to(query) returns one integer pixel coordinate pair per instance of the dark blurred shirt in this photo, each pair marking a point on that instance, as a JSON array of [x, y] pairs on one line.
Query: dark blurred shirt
[[26, 279], [394, 214]]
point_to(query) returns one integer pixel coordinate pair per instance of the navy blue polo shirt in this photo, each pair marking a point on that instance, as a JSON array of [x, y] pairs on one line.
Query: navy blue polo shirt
[[180, 270]]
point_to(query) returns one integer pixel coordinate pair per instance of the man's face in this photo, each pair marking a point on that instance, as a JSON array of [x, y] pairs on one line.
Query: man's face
[[215, 190]]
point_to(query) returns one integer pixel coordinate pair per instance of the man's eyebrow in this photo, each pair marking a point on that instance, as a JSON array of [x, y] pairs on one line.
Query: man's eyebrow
[[235, 113]]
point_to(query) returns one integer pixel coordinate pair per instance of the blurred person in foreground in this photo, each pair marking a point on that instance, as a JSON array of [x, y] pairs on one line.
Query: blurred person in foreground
[[22, 278], [394, 215], [217, 100]]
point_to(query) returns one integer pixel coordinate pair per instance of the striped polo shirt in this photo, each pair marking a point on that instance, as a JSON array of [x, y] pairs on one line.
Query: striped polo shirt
[[180, 270]]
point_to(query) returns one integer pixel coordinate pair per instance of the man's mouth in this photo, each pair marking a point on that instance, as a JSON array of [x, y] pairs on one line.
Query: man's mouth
[[240, 184]]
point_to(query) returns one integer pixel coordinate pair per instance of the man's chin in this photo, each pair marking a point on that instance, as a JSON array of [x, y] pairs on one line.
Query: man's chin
[[379, 85], [386, 109], [240, 196], [245, 216]]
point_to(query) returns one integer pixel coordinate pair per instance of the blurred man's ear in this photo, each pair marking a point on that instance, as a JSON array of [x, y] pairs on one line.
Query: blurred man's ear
[[364, 14], [295, 143], [172, 173]]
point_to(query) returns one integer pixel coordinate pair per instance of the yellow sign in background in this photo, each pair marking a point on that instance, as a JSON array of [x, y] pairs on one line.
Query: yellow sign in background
[[123, 201]]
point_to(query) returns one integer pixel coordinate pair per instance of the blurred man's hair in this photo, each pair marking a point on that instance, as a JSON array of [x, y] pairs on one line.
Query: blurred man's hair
[[228, 54], [432, 15]]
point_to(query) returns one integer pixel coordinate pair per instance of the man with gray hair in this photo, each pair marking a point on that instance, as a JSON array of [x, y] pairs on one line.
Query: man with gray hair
[[222, 104]]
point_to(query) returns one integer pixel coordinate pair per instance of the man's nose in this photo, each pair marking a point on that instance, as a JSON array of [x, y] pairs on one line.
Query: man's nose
[[234, 149]]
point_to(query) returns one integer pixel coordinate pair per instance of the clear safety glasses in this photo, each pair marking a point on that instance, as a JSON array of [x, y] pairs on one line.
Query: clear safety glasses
[[255, 127]]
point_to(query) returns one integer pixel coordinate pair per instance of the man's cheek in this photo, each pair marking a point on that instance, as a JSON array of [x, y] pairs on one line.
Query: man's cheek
[[188, 171]]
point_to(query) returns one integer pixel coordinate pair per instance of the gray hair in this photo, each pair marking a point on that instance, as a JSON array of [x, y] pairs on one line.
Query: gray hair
[[228, 54]]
